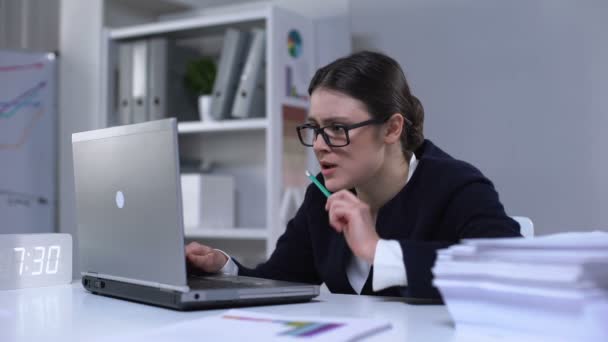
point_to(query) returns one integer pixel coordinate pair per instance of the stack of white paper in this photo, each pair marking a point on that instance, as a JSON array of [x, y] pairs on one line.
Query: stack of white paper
[[553, 286]]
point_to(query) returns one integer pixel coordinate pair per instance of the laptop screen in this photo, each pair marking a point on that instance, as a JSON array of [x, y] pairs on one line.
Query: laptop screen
[[128, 201]]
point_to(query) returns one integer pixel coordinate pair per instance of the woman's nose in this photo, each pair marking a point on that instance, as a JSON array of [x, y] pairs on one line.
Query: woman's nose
[[319, 144]]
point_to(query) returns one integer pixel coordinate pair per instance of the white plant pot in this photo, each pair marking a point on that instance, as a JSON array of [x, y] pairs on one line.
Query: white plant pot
[[204, 107]]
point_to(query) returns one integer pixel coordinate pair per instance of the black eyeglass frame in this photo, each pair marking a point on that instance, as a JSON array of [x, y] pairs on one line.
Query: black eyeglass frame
[[346, 128]]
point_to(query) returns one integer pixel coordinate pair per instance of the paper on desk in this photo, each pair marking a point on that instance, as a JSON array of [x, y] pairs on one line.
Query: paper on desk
[[538, 256], [244, 325], [547, 274], [550, 317], [559, 249], [554, 285], [571, 240]]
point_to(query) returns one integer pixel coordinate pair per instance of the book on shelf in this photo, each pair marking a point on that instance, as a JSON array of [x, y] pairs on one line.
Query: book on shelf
[[232, 60], [157, 78], [250, 98], [150, 81], [139, 81], [125, 107]]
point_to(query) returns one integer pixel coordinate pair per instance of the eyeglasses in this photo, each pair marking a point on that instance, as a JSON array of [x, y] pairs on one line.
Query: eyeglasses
[[335, 135]]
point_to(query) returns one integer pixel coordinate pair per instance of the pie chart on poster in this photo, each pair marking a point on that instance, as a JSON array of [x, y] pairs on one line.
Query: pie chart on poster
[[294, 43]]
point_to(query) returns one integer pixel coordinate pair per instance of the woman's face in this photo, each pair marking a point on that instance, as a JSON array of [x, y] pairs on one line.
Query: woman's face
[[352, 165]]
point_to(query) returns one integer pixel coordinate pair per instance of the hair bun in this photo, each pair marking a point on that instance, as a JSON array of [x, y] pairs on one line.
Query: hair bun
[[418, 110], [415, 136]]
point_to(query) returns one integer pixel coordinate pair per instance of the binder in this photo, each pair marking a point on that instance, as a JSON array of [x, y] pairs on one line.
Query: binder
[[125, 109], [139, 81], [250, 98], [232, 59], [179, 102], [157, 78], [150, 81]]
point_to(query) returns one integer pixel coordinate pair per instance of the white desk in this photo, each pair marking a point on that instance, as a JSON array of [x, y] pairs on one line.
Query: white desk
[[69, 313]]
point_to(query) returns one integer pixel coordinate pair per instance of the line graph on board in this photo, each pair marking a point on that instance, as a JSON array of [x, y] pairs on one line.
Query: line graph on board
[[19, 114], [27, 142]]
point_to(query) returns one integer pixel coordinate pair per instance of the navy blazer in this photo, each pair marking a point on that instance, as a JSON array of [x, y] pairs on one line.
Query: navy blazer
[[445, 200]]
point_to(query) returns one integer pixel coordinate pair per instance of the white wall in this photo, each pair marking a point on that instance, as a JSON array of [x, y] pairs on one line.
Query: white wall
[[518, 88], [29, 25], [79, 89]]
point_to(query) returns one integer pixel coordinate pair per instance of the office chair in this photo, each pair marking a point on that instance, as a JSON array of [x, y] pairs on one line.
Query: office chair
[[526, 226]]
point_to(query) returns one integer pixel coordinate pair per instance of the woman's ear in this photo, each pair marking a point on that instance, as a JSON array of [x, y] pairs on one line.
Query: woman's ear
[[394, 127]]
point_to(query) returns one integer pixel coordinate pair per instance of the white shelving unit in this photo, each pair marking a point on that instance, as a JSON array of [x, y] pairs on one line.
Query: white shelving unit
[[250, 149], [222, 126], [217, 19]]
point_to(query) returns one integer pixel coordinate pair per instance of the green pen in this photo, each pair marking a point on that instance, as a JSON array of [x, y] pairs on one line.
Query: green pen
[[318, 184]]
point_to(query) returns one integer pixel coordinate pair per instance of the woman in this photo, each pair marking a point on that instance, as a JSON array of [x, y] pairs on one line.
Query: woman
[[397, 198]]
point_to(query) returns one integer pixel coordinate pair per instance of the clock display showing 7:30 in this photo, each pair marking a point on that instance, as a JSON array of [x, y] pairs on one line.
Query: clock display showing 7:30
[[35, 260], [43, 259]]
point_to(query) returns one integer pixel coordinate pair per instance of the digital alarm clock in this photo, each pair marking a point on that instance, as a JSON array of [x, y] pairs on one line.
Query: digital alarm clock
[[35, 260]]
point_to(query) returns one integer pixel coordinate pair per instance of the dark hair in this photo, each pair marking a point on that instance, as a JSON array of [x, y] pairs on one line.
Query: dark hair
[[378, 81]]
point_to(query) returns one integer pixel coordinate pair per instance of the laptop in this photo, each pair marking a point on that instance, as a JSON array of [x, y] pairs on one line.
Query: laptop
[[130, 225]]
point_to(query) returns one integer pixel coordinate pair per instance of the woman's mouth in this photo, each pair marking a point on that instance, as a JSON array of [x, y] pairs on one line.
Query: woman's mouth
[[327, 169]]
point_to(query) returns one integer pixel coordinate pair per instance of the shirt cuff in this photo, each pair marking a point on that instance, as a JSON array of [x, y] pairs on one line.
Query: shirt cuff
[[230, 268], [389, 268]]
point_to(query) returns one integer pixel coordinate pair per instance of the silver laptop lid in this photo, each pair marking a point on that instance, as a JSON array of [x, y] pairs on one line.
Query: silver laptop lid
[[128, 200]]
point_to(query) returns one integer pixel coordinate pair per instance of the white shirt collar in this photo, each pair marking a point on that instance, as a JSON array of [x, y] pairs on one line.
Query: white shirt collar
[[412, 168]]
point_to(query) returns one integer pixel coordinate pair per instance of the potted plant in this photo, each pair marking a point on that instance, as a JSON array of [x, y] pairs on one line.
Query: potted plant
[[199, 77]]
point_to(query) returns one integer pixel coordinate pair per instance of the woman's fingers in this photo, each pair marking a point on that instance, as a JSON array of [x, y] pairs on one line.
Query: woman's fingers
[[341, 207], [341, 196], [200, 261], [352, 217], [204, 257], [197, 248], [338, 217], [210, 262]]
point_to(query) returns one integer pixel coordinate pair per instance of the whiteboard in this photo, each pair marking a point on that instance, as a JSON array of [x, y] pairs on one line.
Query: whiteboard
[[27, 142]]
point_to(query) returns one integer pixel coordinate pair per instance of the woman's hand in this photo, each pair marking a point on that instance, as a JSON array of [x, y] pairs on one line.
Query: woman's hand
[[205, 258], [353, 218]]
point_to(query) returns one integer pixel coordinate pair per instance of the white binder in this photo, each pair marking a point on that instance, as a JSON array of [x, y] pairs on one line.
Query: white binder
[[231, 63], [125, 59], [250, 98], [139, 81]]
